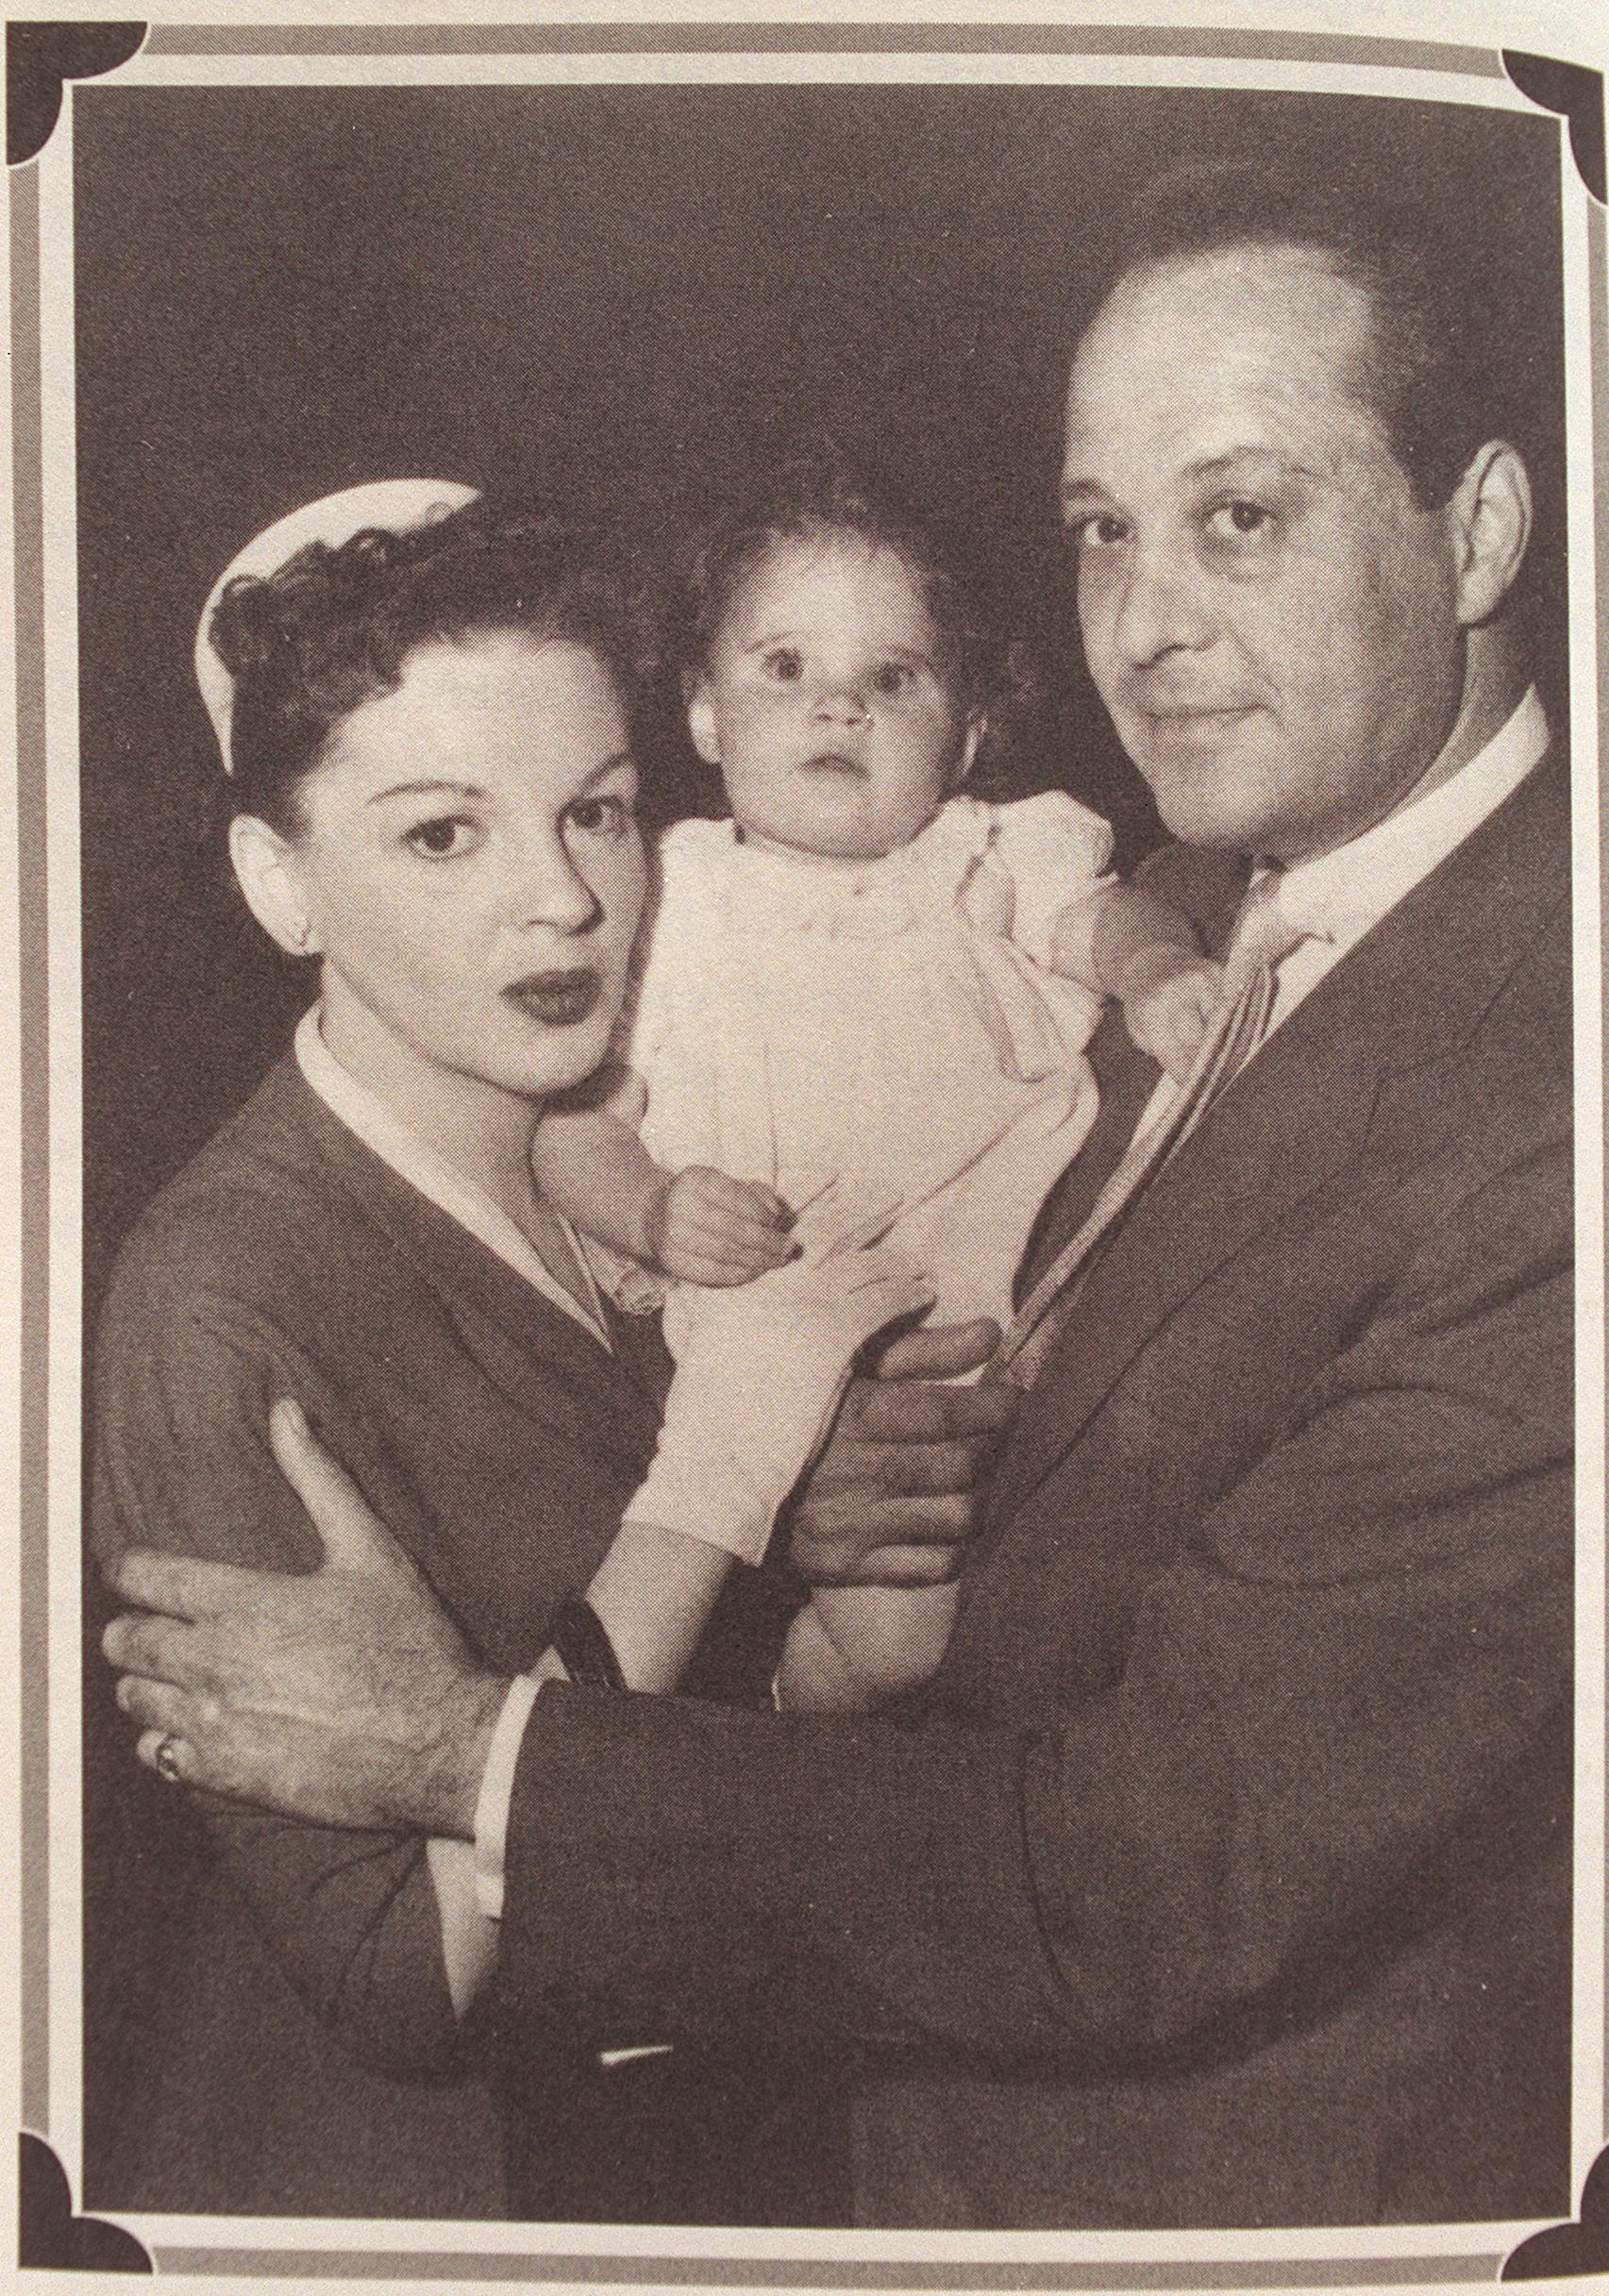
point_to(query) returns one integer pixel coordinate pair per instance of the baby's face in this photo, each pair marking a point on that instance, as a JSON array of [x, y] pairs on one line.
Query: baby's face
[[827, 704]]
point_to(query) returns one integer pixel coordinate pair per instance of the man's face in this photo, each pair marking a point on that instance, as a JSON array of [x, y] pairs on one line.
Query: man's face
[[1270, 619]]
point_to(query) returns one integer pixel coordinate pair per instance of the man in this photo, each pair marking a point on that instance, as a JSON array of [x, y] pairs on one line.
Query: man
[[1223, 1876]]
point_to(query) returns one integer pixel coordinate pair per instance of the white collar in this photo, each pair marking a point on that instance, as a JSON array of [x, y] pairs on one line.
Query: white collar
[[395, 1144], [1339, 895]]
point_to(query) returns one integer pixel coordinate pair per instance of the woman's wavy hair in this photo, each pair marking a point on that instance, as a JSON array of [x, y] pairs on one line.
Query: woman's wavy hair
[[334, 627], [820, 495]]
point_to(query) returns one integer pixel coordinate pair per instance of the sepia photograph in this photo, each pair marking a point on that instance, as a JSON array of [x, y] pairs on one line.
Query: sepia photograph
[[807, 1170]]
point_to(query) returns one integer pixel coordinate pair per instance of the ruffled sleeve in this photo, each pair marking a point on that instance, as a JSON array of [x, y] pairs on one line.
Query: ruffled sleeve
[[1055, 852]]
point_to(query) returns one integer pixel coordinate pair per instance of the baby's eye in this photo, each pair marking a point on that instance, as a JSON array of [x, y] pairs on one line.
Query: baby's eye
[[892, 678], [783, 662], [1099, 531], [608, 816], [1239, 520], [447, 837]]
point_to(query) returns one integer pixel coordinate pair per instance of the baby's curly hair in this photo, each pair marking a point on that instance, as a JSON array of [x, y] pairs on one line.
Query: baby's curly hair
[[821, 494], [334, 627]]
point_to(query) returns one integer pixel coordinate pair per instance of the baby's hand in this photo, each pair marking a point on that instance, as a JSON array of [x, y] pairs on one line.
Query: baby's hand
[[1169, 1016], [707, 1228]]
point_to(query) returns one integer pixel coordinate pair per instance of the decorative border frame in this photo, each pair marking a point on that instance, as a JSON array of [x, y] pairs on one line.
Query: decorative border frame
[[45, 55]]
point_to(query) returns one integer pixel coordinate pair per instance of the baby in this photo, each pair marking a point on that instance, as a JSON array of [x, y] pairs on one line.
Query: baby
[[865, 996]]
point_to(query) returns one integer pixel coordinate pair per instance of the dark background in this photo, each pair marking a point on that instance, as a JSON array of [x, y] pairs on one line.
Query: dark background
[[610, 299]]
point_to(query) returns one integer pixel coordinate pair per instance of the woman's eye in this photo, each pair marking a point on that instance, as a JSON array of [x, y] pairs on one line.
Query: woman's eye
[[1101, 531], [447, 838], [891, 678], [1239, 520], [605, 816], [783, 663]]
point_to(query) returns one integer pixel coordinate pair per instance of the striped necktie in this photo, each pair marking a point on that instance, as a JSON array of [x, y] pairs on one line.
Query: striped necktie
[[1264, 938]]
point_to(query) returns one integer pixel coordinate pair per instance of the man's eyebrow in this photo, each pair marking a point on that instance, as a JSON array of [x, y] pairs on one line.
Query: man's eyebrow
[[428, 789], [1214, 466], [1078, 492]]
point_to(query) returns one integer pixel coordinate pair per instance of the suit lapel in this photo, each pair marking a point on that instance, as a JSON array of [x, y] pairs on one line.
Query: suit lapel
[[1208, 888], [1414, 987]]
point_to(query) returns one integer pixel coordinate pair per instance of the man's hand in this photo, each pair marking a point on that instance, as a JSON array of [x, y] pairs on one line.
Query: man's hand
[[345, 1697], [890, 1501]]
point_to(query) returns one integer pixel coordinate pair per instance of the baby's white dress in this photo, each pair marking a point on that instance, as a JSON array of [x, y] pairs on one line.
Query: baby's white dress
[[890, 1026]]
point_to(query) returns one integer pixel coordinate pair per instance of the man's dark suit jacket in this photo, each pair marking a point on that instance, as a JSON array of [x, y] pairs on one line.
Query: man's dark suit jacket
[[1224, 1877]]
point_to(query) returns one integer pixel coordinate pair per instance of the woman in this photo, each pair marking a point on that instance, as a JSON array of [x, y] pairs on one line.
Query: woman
[[424, 716]]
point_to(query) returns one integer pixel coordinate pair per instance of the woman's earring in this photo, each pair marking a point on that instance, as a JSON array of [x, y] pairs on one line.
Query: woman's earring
[[301, 933], [975, 729]]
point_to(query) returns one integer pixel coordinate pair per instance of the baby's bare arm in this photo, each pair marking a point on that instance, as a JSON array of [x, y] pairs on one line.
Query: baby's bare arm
[[596, 1170], [699, 1225]]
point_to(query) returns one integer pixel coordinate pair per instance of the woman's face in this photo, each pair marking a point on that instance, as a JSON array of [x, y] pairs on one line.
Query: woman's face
[[472, 872]]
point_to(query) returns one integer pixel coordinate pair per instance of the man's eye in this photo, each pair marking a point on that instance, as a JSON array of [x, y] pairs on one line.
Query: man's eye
[[604, 816], [1099, 531], [783, 663], [447, 838], [1239, 520]]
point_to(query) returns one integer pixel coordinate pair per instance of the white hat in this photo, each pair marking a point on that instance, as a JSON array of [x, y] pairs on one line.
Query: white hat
[[393, 504]]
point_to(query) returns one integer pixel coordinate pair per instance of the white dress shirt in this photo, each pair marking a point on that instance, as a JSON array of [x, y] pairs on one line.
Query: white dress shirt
[[1337, 896]]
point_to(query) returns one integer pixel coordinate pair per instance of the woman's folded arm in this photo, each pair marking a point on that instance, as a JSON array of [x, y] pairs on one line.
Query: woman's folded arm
[[182, 1462]]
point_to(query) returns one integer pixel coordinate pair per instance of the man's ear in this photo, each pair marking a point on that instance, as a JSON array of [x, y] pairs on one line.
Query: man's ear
[[265, 866], [1489, 525], [977, 726], [701, 724]]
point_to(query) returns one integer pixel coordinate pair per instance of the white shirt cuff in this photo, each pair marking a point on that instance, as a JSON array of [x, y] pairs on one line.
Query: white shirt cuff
[[498, 1793], [469, 1940]]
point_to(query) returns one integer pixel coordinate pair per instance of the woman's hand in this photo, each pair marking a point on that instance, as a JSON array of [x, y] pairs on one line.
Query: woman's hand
[[707, 1228], [344, 1697], [759, 1373]]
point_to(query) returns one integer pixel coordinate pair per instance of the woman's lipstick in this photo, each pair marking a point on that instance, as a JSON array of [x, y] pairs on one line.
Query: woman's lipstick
[[559, 999]]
